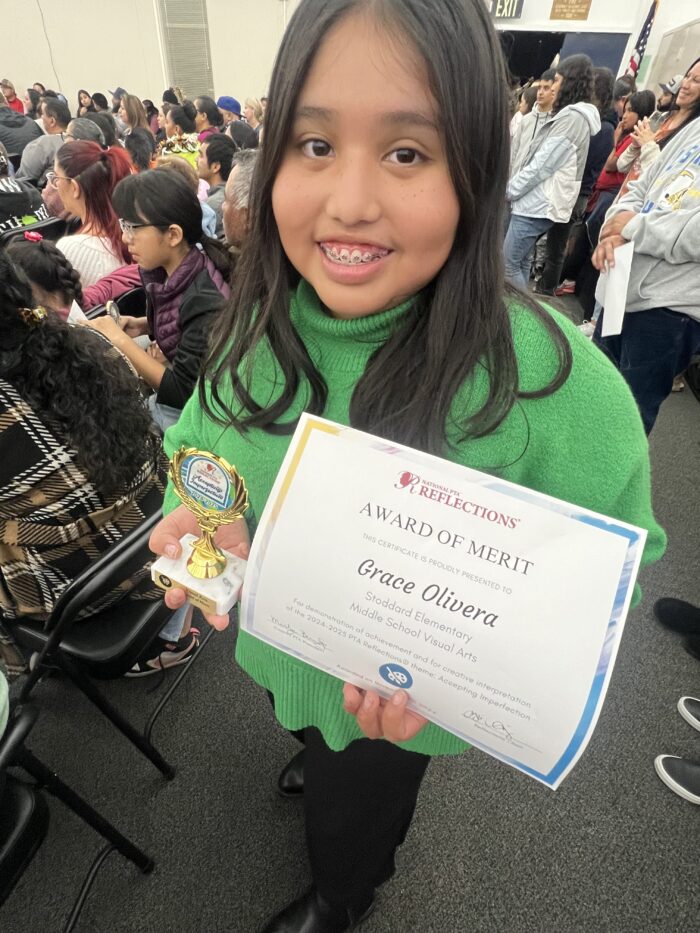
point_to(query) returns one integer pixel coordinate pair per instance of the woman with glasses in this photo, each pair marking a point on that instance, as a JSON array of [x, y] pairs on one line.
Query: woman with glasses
[[85, 176], [185, 275]]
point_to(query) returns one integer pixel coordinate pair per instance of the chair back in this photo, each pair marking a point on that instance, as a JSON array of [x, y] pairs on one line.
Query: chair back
[[52, 229]]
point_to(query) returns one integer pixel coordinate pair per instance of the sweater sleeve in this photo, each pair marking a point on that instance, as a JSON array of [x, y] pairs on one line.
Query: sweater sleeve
[[195, 324], [111, 286]]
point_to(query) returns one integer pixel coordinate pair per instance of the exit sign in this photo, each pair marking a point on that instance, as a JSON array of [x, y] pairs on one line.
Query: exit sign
[[507, 9]]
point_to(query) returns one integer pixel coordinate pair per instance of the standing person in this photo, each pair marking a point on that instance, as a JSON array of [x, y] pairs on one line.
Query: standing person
[[132, 114], [660, 214], [117, 94], [545, 189], [38, 157], [141, 146], [526, 102], [31, 104], [85, 103], [180, 134], [214, 166], [623, 87], [230, 110], [185, 275], [207, 118], [151, 115], [85, 176], [372, 266], [253, 113], [100, 103], [533, 121], [13, 101]]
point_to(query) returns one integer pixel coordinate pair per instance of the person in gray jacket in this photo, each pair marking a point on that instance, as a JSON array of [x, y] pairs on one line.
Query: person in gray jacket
[[545, 189], [39, 156], [660, 214], [16, 130]]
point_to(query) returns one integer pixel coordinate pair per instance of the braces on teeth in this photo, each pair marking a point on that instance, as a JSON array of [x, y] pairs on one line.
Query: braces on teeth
[[353, 257]]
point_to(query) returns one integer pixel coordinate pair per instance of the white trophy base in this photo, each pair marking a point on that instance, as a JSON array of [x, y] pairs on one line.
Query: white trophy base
[[215, 595]]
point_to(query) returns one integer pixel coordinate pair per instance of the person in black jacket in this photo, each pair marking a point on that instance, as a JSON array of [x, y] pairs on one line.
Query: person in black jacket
[[16, 130], [185, 275]]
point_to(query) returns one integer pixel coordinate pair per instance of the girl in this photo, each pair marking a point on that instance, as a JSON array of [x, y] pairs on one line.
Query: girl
[[79, 464], [151, 115], [186, 279], [85, 104], [55, 283], [132, 114], [31, 103], [207, 119], [371, 290], [180, 134], [85, 176]]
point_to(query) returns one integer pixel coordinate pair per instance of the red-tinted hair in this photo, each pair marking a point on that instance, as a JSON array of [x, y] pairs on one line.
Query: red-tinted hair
[[97, 171]]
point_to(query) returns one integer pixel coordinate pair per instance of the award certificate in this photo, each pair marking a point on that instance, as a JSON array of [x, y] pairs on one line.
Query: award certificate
[[498, 609]]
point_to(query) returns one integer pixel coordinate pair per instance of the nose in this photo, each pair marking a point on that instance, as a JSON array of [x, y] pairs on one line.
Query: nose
[[353, 198]]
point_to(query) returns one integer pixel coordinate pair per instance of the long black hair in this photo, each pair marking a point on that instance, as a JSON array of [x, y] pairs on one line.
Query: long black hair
[[164, 198], [460, 319], [87, 395], [207, 106], [693, 115], [577, 86]]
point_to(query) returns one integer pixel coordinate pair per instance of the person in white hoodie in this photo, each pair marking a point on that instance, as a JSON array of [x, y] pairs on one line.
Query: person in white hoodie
[[660, 214], [545, 189], [532, 121]]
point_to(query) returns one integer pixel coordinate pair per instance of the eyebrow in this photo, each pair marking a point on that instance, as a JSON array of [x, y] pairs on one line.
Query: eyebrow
[[391, 117]]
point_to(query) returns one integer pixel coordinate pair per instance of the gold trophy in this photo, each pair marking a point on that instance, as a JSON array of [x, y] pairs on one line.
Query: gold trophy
[[216, 495]]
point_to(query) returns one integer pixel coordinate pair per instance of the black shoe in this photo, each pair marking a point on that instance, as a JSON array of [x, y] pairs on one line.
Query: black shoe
[[678, 615], [689, 708], [312, 913], [291, 781], [692, 646], [681, 775]]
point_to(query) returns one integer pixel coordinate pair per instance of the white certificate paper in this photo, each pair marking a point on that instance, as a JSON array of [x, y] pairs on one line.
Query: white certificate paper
[[499, 609], [611, 291]]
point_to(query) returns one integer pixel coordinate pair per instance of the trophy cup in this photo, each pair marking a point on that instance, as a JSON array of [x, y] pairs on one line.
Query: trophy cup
[[216, 495]]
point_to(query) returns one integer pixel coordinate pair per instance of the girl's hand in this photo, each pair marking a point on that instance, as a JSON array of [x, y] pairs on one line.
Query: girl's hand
[[643, 133], [379, 718], [133, 326], [165, 540], [109, 329]]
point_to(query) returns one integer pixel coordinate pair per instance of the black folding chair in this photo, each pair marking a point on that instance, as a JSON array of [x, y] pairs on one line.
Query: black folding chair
[[24, 814], [132, 302], [15, 159], [105, 646], [52, 229]]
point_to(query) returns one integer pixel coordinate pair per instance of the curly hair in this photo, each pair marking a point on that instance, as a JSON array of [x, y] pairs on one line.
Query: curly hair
[[46, 266], [577, 86], [86, 394]]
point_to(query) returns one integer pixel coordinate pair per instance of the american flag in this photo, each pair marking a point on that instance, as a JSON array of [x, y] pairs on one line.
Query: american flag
[[640, 47]]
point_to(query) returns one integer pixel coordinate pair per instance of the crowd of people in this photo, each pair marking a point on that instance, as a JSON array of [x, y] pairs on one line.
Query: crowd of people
[[321, 256]]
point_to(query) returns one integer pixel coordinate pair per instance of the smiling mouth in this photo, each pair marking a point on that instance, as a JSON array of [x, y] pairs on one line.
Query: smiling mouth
[[362, 254]]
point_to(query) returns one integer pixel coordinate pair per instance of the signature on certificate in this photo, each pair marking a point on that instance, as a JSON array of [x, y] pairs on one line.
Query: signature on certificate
[[495, 726]]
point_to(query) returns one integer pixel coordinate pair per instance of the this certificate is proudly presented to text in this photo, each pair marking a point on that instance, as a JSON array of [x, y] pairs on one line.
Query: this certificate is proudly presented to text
[[498, 609]]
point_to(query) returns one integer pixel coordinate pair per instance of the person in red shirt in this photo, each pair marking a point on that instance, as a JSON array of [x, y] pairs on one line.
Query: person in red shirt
[[8, 89]]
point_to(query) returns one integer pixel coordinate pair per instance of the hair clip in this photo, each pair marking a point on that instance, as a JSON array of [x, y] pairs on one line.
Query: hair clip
[[33, 236], [33, 316]]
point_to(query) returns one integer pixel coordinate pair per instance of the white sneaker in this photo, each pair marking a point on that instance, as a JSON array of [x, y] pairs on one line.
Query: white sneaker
[[689, 708]]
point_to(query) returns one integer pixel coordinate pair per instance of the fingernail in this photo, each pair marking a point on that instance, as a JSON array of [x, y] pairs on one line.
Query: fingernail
[[397, 699], [171, 550]]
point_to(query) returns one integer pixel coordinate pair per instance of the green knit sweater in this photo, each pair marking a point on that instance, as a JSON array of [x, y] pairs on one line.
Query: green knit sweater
[[584, 444]]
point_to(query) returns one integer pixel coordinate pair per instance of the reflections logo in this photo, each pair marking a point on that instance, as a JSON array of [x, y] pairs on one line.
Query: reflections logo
[[406, 479], [452, 499]]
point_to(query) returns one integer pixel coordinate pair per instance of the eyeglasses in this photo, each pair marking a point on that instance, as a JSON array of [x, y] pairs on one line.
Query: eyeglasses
[[128, 228], [53, 179]]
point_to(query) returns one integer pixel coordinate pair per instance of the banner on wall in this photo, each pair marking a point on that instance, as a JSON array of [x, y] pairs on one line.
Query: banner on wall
[[570, 9]]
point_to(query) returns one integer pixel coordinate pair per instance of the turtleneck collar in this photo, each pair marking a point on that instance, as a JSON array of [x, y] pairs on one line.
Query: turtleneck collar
[[343, 343]]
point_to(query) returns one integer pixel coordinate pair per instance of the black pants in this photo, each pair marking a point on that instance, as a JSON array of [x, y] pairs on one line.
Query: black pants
[[557, 239], [358, 805]]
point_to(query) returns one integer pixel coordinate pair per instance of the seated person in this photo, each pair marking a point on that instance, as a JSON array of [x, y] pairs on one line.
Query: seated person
[[85, 176], [20, 202], [184, 169], [38, 156], [185, 275], [79, 465], [214, 166], [54, 282]]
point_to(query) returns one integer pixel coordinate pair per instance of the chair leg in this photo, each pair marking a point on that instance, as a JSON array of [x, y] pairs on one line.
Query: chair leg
[[125, 727], [55, 786]]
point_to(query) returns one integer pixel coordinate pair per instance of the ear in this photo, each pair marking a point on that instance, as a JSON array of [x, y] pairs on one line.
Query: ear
[[175, 235], [215, 167]]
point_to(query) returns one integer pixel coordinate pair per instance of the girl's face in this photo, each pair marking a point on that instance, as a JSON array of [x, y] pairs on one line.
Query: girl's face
[[152, 247], [123, 114], [689, 94], [630, 118], [249, 114], [363, 199], [85, 99]]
